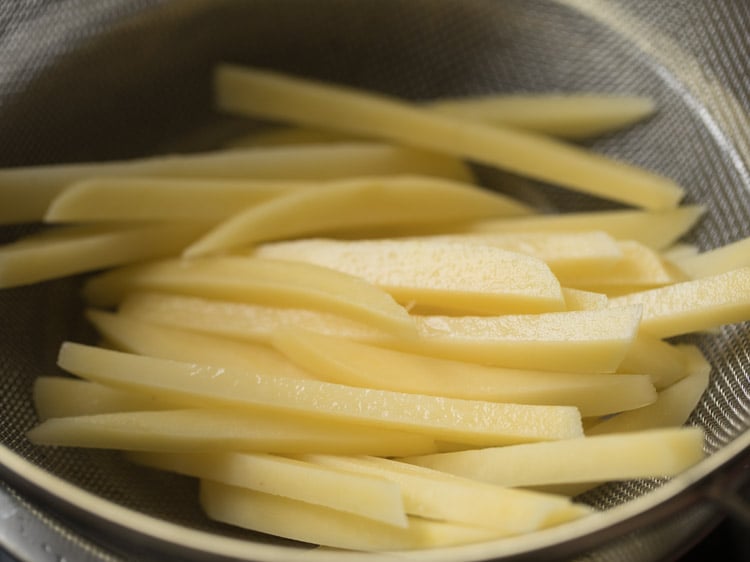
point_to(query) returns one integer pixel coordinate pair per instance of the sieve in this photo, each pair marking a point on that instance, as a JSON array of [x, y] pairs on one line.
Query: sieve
[[83, 81]]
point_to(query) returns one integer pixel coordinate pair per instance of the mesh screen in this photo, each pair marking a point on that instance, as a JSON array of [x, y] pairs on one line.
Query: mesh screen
[[114, 79]]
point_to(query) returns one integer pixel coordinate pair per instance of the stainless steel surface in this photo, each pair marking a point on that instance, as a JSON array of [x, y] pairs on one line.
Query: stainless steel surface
[[115, 79]]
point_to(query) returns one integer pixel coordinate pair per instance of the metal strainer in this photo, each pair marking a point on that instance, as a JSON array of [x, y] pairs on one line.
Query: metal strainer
[[120, 78]]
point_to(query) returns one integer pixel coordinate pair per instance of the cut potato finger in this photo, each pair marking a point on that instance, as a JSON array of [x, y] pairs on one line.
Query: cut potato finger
[[273, 282], [622, 456], [717, 261], [369, 496], [269, 95], [355, 203], [656, 229], [346, 362], [469, 421], [79, 249], [25, 193], [219, 430]]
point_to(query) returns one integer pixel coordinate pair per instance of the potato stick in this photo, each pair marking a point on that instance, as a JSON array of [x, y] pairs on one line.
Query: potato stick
[[565, 253], [460, 500], [58, 397], [246, 279], [656, 229], [369, 496], [26, 192], [666, 363], [673, 405], [355, 203], [717, 261], [134, 198], [640, 266], [220, 430], [469, 421], [692, 306], [136, 336], [573, 116], [81, 249], [343, 361], [575, 341], [623, 456], [466, 278], [315, 524], [269, 95], [586, 341], [576, 299], [676, 252]]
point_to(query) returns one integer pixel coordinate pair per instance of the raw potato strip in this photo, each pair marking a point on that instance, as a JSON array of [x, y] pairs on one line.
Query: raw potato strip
[[717, 261], [466, 278], [343, 361], [245, 279], [314, 524], [25, 193], [134, 198], [135, 336], [468, 421], [623, 456], [220, 430], [656, 229], [80, 249], [673, 404], [58, 397], [575, 299], [573, 116], [461, 500], [639, 268], [575, 341], [577, 253], [692, 306], [664, 362], [356, 203], [369, 496], [270, 95]]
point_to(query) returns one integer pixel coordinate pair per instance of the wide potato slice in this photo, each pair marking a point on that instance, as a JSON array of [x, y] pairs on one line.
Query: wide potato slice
[[269, 95], [347, 362], [370, 496], [622, 456], [463, 421]]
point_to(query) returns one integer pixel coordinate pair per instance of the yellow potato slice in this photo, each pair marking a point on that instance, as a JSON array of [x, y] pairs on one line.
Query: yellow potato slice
[[272, 282], [622, 456], [144, 338], [639, 268], [717, 261], [460, 500], [673, 404], [315, 524], [469, 421], [573, 116], [574, 341], [576, 299], [269, 95], [664, 362], [465, 278], [369, 496], [58, 397], [355, 203], [692, 306], [26, 192], [80, 249], [219, 430], [655, 229], [577, 253], [346, 362]]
